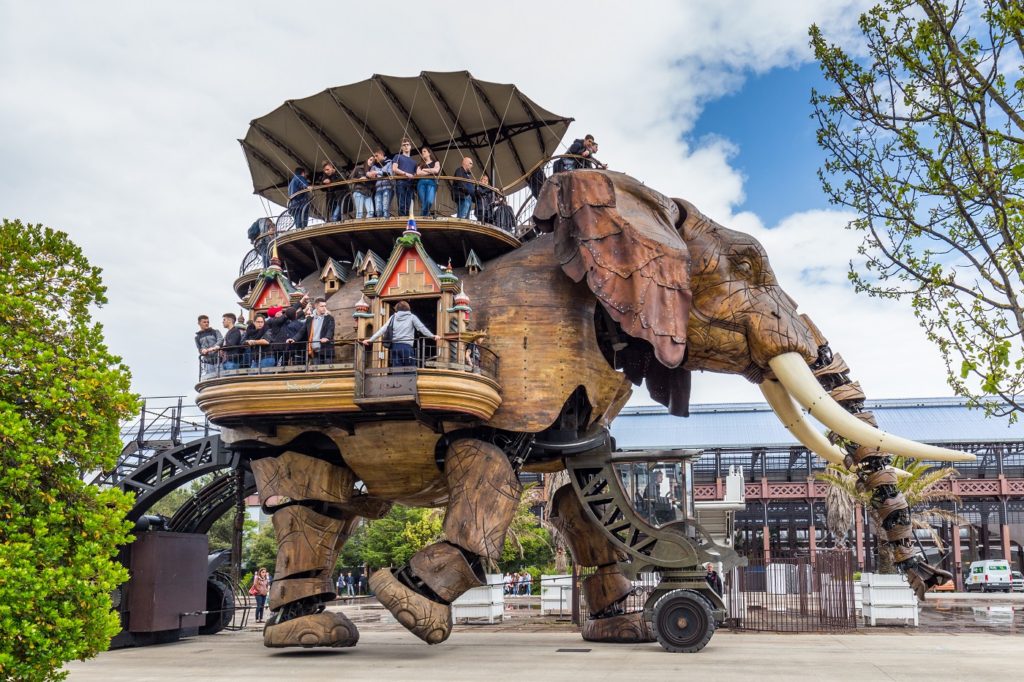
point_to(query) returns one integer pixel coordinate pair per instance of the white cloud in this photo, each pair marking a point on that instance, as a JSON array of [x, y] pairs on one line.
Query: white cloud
[[120, 124]]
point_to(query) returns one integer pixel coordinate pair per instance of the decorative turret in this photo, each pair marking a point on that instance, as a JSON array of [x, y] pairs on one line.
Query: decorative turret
[[273, 288], [448, 276], [473, 264], [362, 309], [334, 274], [410, 234], [461, 305]]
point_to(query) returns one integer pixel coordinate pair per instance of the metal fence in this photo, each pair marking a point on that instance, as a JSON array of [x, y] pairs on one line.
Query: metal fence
[[794, 594]]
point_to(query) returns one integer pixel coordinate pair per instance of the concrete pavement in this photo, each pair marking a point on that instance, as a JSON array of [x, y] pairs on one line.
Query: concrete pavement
[[387, 652]]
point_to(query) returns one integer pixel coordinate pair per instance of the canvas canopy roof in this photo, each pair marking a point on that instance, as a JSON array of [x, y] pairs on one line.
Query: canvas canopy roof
[[456, 115]]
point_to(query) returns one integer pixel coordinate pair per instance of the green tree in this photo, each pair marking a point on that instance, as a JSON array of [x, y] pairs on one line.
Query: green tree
[[260, 549], [921, 488], [527, 543], [924, 141], [62, 397]]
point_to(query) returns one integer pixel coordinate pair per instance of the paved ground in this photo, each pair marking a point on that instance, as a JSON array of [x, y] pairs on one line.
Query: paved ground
[[386, 652]]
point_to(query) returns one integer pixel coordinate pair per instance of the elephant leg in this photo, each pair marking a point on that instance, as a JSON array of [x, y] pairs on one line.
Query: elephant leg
[[484, 493], [303, 494], [875, 476], [606, 590]]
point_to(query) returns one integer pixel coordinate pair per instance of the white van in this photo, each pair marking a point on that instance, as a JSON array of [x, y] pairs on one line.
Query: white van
[[989, 576]]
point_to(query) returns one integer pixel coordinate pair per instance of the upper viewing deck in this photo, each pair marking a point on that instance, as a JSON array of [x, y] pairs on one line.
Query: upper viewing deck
[[488, 149]]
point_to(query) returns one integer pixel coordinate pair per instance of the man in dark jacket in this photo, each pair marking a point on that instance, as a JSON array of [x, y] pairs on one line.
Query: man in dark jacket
[[335, 197], [298, 200], [233, 351], [316, 337], [464, 192], [585, 148]]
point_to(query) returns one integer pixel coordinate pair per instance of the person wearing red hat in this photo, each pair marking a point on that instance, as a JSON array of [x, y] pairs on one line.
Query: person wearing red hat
[[277, 328]]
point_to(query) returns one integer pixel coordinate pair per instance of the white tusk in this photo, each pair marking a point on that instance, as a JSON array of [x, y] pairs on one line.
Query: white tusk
[[793, 419], [794, 374]]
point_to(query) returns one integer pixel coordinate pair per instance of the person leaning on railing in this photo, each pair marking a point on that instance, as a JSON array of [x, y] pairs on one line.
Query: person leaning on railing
[[208, 342], [426, 187], [257, 347], [403, 325], [404, 166], [232, 352], [462, 191], [584, 149], [380, 171], [485, 200], [362, 192], [278, 333], [336, 196]]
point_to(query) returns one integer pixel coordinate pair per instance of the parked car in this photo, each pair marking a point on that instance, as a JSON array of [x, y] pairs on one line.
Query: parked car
[[989, 576], [1016, 581]]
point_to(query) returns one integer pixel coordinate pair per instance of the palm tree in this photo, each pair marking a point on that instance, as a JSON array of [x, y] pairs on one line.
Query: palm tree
[[920, 487]]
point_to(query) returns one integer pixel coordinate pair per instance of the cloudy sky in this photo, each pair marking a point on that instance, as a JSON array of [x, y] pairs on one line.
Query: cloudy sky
[[119, 121]]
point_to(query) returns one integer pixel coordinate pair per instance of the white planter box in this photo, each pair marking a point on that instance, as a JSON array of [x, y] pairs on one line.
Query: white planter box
[[486, 601], [888, 597], [555, 594]]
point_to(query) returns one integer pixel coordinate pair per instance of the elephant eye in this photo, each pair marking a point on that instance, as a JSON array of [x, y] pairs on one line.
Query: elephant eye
[[742, 265]]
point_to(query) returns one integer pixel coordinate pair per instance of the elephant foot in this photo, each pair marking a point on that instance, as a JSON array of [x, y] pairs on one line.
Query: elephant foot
[[626, 628], [428, 620], [324, 629], [922, 576]]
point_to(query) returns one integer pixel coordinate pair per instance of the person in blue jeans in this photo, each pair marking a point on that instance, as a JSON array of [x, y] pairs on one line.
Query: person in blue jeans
[[464, 192], [380, 170], [362, 192], [403, 166], [426, 186], [403, 325], [298, 204]]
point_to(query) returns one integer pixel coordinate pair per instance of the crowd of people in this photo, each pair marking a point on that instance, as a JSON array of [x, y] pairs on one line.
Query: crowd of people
[[352, 585], [518, 583], [403, 178], [285, 335]]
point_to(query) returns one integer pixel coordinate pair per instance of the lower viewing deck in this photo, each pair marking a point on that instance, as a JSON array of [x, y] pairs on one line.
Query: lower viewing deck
[[452, 381]]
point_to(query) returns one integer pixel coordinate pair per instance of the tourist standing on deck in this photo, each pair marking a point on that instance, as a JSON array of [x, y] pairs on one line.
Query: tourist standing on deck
[[380, 170], [404, 167], [426, 186], [208, 343], [232, 346], [362, 192], [464, 192], [335, 196], [298, 204], [403, 325], [317, 333]]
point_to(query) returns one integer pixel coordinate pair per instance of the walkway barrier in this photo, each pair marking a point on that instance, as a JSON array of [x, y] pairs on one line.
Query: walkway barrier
[[795, 594]]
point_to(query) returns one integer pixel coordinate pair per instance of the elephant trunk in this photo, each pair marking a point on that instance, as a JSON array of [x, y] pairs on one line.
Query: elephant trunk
[[827, 392]]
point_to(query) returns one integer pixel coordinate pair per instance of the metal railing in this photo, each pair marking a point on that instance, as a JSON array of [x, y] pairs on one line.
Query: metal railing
[[454, 197], [510, 212], [797, 594], [453, 355]]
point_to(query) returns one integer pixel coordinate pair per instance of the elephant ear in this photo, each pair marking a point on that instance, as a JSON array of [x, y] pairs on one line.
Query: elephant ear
[[608, 230]]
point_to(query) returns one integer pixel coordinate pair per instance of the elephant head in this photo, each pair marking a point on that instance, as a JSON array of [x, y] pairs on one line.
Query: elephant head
[[691, 294]]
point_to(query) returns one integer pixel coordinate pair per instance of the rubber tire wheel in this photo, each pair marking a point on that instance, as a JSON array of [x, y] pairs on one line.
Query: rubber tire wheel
[[683, 622]]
